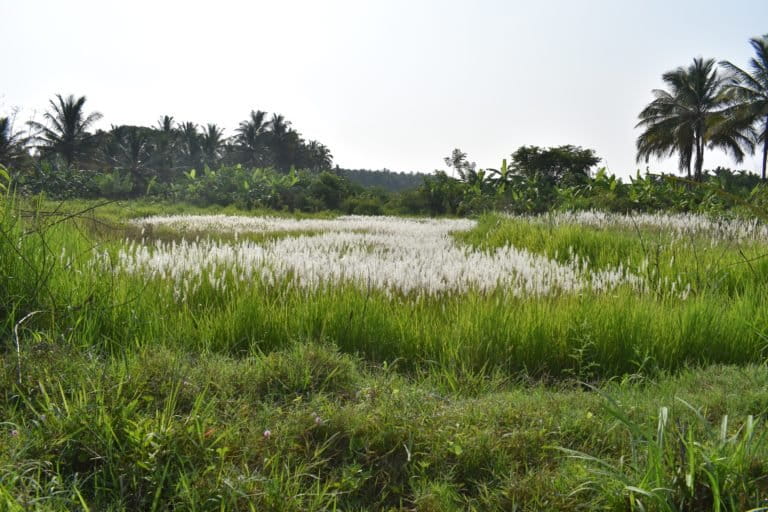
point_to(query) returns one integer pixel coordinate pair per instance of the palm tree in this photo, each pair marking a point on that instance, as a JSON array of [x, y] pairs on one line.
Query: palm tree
[[463, 167], [749, 92], [129, 148], [278, 125], [689, 117], [283, 141], [250, 140], [166, 124], [212, 142], [11, 143], [67, 134], [190, 148], [165, 143], [319, 156]]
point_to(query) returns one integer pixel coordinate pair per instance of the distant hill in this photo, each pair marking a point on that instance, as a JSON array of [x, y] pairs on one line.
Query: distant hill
[[385, 179]]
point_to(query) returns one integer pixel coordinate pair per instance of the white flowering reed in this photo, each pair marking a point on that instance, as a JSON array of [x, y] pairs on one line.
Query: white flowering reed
[[680, 224], [395, 255]]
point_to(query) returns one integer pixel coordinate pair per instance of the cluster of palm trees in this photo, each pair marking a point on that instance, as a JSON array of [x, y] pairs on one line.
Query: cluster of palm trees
[[163, 151], [704, 108]]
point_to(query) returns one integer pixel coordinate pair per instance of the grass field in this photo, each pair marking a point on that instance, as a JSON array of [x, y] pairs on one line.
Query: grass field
[[573, 361]]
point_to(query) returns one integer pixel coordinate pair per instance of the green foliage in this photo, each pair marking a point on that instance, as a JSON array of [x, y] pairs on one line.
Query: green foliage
[[565, 165], [114, 185], [55, 179], [262, 188], [369, 204], [681, 465]]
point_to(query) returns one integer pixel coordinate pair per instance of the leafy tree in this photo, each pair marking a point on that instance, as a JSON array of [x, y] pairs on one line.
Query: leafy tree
[[748, 92], [556, 165], [441, 193], [330, 189], [690, 116], [12, 144], [67, 134]]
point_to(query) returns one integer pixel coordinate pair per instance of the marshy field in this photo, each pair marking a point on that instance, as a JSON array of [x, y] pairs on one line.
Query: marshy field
[[199, 360]]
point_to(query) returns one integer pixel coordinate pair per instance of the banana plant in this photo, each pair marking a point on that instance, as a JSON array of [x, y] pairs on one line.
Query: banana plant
[[501, 177]]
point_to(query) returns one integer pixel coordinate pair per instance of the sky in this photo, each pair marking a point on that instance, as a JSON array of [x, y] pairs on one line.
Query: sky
[[393, 84]]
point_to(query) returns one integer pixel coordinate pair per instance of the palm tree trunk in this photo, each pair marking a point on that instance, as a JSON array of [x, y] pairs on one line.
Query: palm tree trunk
[[765, 146], [699, 158]]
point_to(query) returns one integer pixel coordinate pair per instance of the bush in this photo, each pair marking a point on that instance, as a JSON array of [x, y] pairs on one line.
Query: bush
[[113, 185]]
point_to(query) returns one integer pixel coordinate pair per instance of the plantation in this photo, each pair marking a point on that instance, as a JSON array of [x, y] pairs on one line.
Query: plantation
[[242, 362]]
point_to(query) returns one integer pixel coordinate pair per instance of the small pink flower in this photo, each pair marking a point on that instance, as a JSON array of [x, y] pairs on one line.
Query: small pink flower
[[318, 420], [267, 434], [14, 433]]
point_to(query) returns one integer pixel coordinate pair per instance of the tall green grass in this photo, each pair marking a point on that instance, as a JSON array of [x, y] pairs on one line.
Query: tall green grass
[[713, 267]]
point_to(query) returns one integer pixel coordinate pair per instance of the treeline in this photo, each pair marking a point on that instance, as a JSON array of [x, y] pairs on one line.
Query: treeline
[[268, 164], [537, 180], [533, 180], [159, 154], [175, 162], [384, 179]]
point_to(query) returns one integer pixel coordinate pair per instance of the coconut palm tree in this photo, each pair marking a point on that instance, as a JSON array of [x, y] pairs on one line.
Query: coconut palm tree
[[319, 156], [748, 92], [283, 141], [129, 148], [212, 144], [251, 139], [12, 143], [690, 116], [67, 131], [463, 167], [165, 146], [189, 145], [278, 125]]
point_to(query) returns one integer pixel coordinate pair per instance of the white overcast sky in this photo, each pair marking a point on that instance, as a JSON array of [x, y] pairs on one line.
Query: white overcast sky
[[395, 83]]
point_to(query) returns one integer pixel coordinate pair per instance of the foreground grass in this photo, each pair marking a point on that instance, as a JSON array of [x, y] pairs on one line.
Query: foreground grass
[[307, 428]]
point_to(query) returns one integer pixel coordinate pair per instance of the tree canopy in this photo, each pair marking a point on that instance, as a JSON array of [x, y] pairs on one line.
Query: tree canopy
[[562, 164]]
